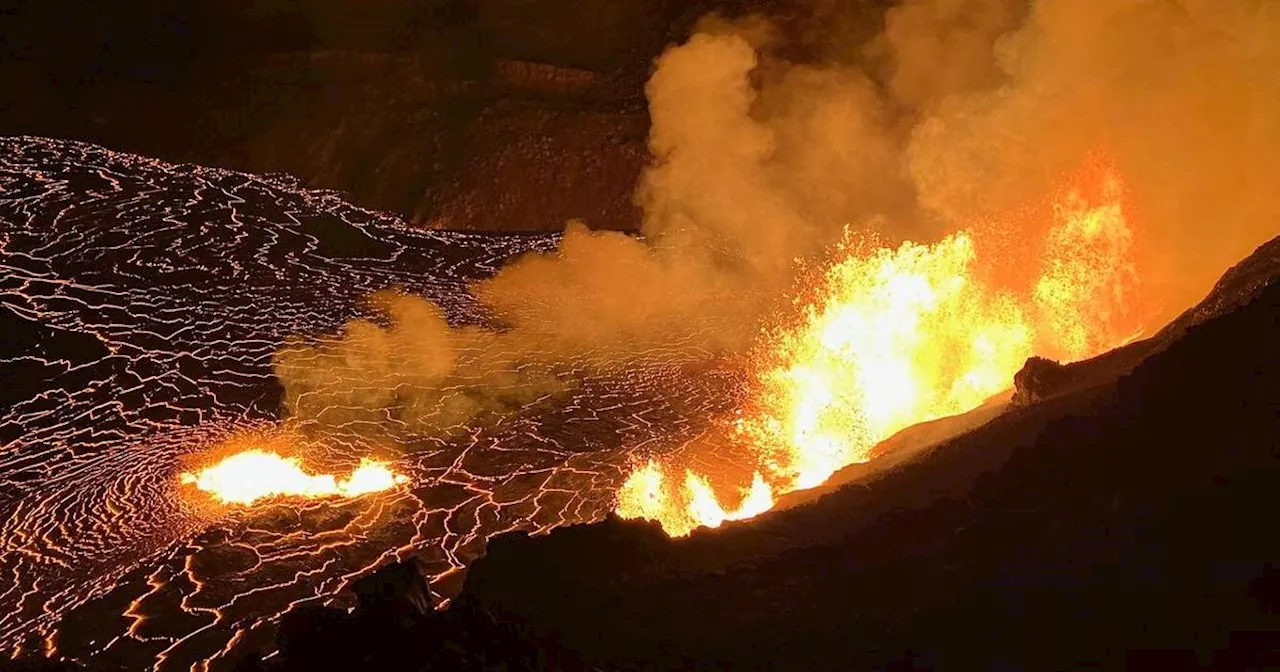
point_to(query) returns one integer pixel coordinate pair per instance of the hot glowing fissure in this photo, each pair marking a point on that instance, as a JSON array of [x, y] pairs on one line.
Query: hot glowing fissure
[[255, 474], [895, 337]]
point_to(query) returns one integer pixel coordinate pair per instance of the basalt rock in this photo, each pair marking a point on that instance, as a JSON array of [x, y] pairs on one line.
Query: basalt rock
[[394, 628], [1039, 378], [400, 588]]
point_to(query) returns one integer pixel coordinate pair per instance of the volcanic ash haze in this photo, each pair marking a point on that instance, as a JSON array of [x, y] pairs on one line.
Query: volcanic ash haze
[[958, 116]]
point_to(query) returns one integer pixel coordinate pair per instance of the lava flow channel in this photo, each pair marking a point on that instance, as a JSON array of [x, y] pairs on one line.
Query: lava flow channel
[[896, 337]]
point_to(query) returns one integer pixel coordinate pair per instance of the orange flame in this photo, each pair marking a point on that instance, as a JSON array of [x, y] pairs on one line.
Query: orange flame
[[251, 475], [1084, 293], [645, 495], [896, 337]]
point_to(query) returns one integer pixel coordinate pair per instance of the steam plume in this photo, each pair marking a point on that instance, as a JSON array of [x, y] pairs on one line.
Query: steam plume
[[956, 112]]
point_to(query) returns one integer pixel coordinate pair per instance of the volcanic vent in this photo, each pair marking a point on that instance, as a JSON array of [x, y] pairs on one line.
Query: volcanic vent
[[895, 337]]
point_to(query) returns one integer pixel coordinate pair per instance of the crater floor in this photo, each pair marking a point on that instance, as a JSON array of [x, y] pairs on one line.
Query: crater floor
[[142, 302]]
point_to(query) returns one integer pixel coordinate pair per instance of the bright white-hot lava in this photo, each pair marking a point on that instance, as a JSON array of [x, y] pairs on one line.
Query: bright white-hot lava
[[255, 474], [898, 336]]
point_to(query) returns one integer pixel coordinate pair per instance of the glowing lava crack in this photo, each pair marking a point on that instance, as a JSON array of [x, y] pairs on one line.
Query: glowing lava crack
[[249, 476]]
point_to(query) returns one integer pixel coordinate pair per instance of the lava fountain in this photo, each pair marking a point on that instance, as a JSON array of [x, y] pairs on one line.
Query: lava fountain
[[255, 474], [898, 336]]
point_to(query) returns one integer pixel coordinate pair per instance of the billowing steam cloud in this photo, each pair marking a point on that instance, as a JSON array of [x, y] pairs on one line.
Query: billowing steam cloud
[[1181, 94], [957, 112]]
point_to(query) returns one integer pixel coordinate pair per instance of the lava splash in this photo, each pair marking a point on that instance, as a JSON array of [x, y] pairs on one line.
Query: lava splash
[[892, 337], [256, 474]]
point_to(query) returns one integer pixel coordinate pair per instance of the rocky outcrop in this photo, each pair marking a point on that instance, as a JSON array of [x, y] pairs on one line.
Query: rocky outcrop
[[394, 627], [1038, 379], [536, 168], [528, 148], [399, 589], [544, 78]]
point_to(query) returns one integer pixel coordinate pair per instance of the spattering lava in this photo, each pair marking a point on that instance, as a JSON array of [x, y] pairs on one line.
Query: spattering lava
[[252, 475], [896, 337]]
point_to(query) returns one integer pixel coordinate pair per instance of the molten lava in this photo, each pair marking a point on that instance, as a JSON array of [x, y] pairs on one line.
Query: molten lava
[[254, 474], [1084, 294], [896, 337]]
